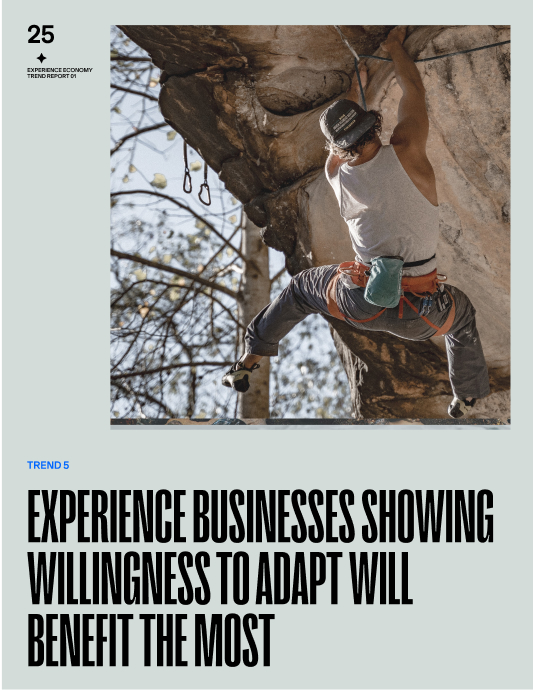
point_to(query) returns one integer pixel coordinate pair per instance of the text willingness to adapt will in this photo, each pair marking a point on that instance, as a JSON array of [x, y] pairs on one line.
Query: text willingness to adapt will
[[175, 578]]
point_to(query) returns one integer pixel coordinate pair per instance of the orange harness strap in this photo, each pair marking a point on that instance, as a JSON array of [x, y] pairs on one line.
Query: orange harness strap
[[357, 272], [449, 321], [331, 300], [333, 307], [331, 297], [445, 326]]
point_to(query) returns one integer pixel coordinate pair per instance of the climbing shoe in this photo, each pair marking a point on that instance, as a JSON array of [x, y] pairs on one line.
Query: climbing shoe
[[460, 408], [238, 377]]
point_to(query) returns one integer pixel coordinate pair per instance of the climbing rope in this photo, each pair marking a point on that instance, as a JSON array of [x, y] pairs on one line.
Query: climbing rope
[[357, 58], [438, 57], [361, 90], [384, 59]]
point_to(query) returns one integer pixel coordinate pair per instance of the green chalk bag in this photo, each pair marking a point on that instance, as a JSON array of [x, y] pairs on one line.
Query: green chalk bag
[[384, 287]]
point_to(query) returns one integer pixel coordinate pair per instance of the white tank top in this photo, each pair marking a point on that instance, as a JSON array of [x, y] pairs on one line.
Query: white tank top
[[386, 214]]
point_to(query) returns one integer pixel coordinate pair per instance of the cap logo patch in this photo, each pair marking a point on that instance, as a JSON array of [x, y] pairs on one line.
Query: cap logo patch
[[345, 121]]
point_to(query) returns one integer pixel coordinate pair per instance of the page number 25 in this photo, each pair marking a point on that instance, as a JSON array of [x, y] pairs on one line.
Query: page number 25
[[48, 36]]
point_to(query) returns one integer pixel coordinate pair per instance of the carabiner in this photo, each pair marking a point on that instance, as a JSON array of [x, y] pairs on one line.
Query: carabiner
[[204, 185], [187, 181]]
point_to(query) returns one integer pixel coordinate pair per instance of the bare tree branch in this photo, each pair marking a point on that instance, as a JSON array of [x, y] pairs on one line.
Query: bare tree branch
[[131, 58], [178, 272], [278, 275], [185, 208], [145, 394], [137, 93], [232, 268], [221, 248], [180, 365], [228, 311], [136, 134]]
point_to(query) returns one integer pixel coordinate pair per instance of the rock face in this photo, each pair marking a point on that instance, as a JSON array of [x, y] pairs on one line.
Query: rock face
[[249, 98]]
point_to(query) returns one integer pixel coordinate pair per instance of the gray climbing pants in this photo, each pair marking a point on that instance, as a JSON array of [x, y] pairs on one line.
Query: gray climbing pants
[[306, 294]]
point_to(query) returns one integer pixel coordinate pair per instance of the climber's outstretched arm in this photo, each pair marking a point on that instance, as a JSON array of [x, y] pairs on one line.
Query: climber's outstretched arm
[[413, 124]]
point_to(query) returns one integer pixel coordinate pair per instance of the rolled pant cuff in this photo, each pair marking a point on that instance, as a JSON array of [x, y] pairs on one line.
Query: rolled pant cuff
[[482, 395], [261, 350], [470, 394]]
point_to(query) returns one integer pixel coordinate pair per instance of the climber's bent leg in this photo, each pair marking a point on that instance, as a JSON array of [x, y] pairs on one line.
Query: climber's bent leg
[[466, 363], [305, 294], [469, 376]]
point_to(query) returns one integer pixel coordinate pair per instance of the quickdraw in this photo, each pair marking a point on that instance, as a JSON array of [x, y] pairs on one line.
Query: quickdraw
[[187, 181], [205, 186]]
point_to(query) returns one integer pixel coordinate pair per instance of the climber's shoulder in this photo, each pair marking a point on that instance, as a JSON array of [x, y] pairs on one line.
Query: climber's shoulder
[[409, 140], [333, 165], [418, 167]]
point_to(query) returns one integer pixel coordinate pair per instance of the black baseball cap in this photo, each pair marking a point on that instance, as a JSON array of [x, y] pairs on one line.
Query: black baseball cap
[[344, 122]]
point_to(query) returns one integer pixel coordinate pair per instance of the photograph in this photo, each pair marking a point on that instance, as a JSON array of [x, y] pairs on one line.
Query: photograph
[[310, 222]]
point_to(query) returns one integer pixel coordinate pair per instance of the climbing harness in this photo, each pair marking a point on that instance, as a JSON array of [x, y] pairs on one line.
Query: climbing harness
[[429, 284], [360, 272], [384, 280], [187, 180], [384, 59], [205, 186]]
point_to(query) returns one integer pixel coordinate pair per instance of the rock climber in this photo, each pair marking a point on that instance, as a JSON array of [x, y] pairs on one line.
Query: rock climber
[[387, 195]]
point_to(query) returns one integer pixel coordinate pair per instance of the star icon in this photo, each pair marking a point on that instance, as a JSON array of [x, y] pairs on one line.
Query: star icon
[[41, 58]]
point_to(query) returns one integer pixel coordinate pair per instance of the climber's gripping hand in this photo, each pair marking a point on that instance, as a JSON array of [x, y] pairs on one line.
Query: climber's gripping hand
[[396, 36]]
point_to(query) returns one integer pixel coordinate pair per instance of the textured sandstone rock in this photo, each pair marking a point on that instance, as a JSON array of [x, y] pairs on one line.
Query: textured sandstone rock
[[249, 98]]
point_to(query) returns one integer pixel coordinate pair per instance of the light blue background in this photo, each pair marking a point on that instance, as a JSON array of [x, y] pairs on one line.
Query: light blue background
[[470, 623]]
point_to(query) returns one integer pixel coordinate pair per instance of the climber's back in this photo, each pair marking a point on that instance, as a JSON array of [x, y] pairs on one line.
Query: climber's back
[[386, 213]]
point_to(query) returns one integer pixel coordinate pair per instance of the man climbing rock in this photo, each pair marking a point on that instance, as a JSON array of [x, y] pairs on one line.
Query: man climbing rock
[[387, 194]]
